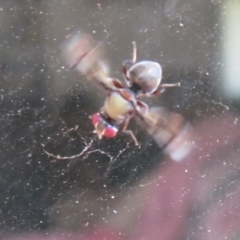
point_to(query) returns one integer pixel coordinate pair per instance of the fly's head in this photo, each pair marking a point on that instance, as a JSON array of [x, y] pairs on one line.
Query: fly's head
[[103, 128]]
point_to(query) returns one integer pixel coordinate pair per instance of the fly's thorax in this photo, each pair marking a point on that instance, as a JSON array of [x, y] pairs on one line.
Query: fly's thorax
[[116, 106]]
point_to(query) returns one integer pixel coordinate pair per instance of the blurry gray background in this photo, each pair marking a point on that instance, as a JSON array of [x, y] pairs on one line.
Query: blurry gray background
[[42, 102]]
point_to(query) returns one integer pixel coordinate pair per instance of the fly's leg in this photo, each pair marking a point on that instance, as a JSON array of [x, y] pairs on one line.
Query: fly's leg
[[134, 56], [163, 87], [168, 85], [124, 129], [127, 63]]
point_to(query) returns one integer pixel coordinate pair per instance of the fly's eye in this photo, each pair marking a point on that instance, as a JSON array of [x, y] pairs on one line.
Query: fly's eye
[[110, 131], [95, 119], [102, 127]]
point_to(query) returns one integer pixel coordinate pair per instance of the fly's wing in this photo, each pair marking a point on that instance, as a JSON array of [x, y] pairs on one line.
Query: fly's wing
[[80, 53], [169, 130]]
